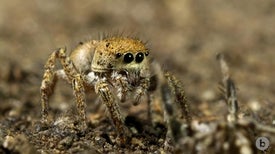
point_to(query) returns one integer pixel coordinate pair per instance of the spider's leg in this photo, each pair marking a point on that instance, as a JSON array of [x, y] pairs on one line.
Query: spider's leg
[[79, 93], [174, 101], [155, 108], [49, 81], [149, 106], [169, 117], [102, 88], [47, 85], [180, 97], [70, 74], [77, 83]]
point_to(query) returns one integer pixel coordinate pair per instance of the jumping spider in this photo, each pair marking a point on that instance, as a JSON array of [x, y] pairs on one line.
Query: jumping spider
[[118, 69]]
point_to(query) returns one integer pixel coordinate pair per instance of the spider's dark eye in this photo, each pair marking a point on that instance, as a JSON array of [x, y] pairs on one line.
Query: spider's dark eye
[[146, 53], [128, 58], [139, 57], [118, 55], [107, 44]]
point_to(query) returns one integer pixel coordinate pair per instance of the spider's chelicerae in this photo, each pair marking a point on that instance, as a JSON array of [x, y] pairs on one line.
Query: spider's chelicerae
[[118, 69]]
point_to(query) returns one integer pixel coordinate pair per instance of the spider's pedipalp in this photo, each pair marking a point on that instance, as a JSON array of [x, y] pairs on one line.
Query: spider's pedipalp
[[121, 82], [141, 90]]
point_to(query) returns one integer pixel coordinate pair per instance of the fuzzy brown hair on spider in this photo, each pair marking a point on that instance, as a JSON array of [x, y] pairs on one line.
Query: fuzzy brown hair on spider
[[118, 69]]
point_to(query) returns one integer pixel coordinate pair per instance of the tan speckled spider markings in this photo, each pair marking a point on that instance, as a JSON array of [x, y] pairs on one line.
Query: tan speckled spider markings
[[119, 62]]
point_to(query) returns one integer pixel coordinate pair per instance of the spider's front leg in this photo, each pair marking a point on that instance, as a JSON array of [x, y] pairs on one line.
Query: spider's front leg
[[102, 88]]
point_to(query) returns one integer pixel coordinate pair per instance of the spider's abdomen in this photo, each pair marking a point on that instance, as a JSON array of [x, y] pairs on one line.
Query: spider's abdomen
[[82, 56]]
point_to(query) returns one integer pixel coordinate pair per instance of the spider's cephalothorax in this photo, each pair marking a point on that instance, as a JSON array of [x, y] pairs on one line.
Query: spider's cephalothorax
[[120, 54], [127, 61], [114, 67]]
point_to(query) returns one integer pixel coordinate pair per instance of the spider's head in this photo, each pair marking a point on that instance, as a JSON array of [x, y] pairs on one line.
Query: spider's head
[[120, 54]]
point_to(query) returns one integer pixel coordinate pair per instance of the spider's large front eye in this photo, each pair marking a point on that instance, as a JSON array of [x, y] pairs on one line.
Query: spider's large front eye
[[139, 57], [128, 58]]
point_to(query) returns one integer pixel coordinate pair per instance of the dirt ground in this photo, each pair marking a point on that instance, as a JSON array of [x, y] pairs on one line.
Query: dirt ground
[[184, 36]]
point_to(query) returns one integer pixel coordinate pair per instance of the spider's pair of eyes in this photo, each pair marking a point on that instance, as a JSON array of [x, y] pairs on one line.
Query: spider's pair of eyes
[[129, 57]]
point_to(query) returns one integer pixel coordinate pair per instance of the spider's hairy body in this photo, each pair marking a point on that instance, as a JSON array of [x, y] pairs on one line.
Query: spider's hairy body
[[107, 56], [114, 67]]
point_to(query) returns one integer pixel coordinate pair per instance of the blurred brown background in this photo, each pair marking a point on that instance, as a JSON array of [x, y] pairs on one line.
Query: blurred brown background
[[184, 36]]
